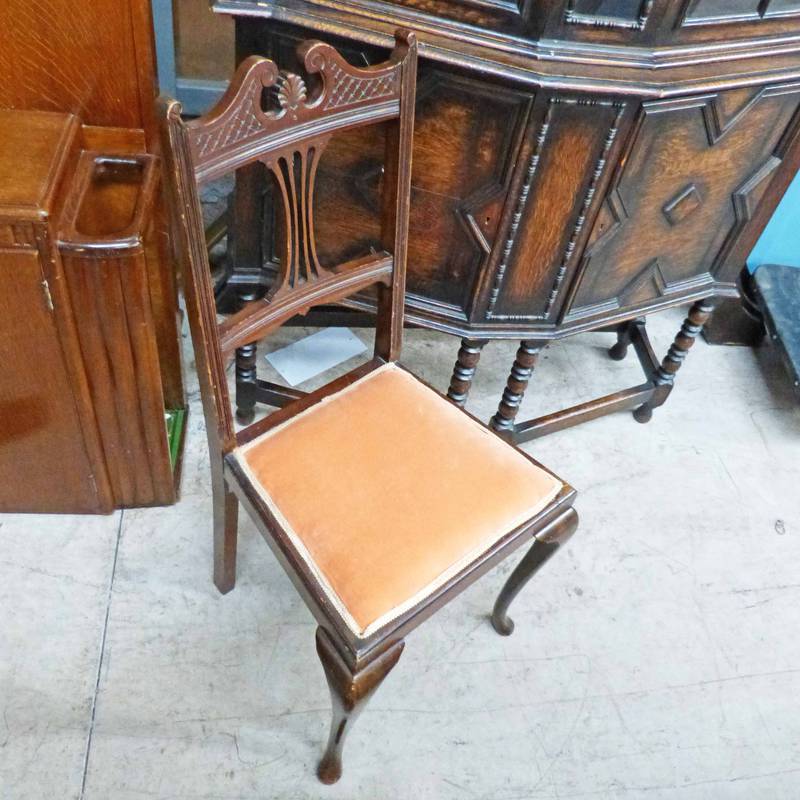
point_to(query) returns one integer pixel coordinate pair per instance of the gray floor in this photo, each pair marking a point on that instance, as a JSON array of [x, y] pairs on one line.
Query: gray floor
[[658, 656]]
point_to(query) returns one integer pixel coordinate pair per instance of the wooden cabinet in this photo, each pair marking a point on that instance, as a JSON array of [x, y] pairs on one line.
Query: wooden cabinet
[[578, 164], [96, 60], [50, 455], [82, 405], [115, 300]]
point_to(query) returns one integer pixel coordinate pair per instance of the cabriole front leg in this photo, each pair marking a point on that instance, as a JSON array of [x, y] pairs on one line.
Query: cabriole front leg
[[543, 548], [665, 374], [350, 691]]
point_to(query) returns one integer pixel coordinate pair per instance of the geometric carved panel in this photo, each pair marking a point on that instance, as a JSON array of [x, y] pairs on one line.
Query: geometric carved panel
[[465, 136], [684, 203], [695, 172]]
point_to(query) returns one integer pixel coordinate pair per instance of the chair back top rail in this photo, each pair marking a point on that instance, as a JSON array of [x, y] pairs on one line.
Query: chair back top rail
[[239, 129]]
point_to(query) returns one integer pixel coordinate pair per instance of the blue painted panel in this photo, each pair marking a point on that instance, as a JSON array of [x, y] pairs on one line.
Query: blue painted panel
[[780, 242], [165, 45]]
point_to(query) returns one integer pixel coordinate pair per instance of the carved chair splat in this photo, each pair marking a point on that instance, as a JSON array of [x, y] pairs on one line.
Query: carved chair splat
[[382, 496]]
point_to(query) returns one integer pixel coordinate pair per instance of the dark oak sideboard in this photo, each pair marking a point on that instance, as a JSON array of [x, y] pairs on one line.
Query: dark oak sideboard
[[578, 164]]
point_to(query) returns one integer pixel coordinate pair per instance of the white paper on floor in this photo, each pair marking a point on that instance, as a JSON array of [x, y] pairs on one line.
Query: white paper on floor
[[314, 354]]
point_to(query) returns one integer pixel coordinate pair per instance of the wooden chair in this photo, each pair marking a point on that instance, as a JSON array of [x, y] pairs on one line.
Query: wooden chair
[[381, 499]]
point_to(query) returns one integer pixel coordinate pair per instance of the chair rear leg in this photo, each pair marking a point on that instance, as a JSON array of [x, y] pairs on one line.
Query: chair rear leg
[[350, 690], [542, 549], [226, 525]]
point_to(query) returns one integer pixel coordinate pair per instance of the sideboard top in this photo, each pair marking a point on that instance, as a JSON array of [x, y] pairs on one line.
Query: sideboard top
[[33, 151], [654, 48]]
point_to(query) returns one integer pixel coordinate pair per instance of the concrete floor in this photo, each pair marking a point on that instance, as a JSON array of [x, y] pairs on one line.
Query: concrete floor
[[656, 657]]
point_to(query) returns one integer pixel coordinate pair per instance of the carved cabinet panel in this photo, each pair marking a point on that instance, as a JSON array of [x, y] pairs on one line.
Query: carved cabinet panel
[[458, 190], [694, 173], [562, 169]]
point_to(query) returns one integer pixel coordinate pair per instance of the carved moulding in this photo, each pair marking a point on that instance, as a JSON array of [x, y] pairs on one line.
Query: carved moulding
[[597, 173], [575, 17]]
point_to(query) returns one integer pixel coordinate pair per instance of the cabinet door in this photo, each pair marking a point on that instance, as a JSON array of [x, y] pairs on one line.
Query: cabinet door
[[561, 173], [466, 136], [694, 173], [44, 465]]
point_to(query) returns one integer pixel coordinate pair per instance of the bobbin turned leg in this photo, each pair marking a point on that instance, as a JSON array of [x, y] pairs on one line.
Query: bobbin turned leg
[[350, 690], [246, 383], [469, 355], [665, 374], [521, 371], [542, 549], [624, 334]]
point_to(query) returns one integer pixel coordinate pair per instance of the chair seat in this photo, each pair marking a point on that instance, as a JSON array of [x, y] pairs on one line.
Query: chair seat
[[387, 490]]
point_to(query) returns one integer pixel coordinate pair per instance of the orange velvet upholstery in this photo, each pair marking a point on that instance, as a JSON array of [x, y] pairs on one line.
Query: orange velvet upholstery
[[387, 490]]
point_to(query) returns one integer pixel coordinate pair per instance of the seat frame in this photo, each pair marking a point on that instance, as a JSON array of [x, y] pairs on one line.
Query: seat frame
[[288, 139]]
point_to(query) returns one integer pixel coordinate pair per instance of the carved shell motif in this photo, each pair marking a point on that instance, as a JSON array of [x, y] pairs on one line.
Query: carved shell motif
[[291, 91]]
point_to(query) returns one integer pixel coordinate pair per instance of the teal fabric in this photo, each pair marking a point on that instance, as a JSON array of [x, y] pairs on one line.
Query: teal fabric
[[780, 242]]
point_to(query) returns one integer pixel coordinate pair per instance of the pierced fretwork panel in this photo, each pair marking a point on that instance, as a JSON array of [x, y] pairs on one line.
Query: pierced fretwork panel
[[295, 172]]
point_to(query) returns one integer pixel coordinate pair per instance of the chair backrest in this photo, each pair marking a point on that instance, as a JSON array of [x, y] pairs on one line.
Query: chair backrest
[[287, 128]]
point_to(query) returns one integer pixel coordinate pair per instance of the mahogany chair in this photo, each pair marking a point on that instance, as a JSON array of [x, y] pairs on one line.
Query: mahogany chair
[[381, 499]]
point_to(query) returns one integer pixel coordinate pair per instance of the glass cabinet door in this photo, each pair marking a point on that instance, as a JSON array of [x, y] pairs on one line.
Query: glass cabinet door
[[713, 10], [699, 12], [621, 10], [780, 7]]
